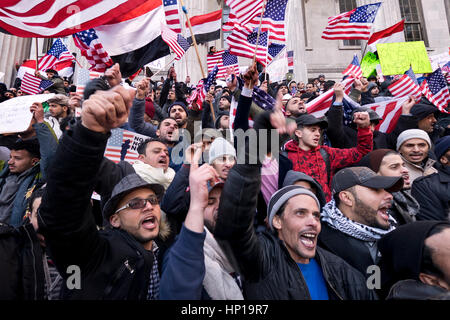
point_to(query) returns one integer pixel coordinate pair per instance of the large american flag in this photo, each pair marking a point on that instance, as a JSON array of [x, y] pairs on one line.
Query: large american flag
[[436, 91], [176, 42], [320, 105], [52, 19], [91, 48], [199, 95], [355, 24], [118, 149], [407, 85], [172, 15], [246, 10], [354, 67], [390, 111], [224, 60], [83, 77], [232, 21], [34, 85], [57, 53]]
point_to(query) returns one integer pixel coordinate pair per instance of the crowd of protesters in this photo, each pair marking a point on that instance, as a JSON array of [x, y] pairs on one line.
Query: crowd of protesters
[[326, 211]]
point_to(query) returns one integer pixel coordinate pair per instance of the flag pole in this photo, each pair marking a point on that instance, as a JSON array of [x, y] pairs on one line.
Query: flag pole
[[37, 60], [259, 31], [267, 56], [163, 68], [196, 51]]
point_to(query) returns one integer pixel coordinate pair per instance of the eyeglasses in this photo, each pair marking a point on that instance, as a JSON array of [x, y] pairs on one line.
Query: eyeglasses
[[138, 203]]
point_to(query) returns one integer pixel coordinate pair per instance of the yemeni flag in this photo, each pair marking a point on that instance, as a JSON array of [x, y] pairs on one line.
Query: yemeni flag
[[390, 35], [134, 39], [205, 27]]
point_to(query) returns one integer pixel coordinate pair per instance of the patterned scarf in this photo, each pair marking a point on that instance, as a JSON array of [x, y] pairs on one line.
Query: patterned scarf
[[337, 220]]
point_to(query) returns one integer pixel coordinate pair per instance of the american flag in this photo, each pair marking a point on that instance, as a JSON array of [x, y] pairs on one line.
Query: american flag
[[355, 24], [446, 70], [320, 105], [57, 53], [198, 96], [290, 58], [390, 111], [232, 21], [242, 43], [224, 60], [87, 41], [175, 41], [118, 149], [436, 91], [246, 10], [34, 85], [263, 99], [272, 21], [83, 77], [406, 86], [354, 67], [172, 15]]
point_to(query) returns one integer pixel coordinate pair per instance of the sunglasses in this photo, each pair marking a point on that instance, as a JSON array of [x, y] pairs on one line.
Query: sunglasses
[[138, 203]]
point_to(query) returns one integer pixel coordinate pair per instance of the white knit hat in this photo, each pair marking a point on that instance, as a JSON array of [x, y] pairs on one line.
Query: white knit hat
[[220, 147], [412, 134]]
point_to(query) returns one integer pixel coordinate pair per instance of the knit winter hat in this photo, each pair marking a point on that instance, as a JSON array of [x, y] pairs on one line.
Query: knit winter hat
[[280, 197], [422, 110], [373, 159], [178, 103], [412, 134], [219, 148], [441, 147]]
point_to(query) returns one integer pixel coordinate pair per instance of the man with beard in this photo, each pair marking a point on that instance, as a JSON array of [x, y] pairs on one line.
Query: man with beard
[[414, 145], [358, 216], [295, 107], [389, 163]]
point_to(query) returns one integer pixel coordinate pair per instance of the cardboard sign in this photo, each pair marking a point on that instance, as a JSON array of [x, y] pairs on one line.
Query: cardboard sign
[[396, 58], [16, 115], [369, 64]]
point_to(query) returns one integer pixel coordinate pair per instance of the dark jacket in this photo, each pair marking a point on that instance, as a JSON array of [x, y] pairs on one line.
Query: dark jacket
[[433, 194], [415, 290], [263, 260], [342, 136], [21, 267], [354, 251]]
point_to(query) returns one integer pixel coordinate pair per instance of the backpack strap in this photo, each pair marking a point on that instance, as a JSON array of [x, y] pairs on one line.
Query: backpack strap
[[326, 157]]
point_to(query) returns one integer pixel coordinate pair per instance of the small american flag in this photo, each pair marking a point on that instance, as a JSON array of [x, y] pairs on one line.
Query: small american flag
[[198, 96], [436, 91], [176, 42], [57, 53], [246, 10], [355, 24], [290, 58], [121, 144], [390, 111], [224, 60], [34, 85], [92, 49], [354, 67], [407, 85], [172, 15], [446, 70], [83, 77]]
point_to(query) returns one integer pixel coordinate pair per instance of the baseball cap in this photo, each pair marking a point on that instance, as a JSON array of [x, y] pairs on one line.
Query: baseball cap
[[310, 120], [349, 177]]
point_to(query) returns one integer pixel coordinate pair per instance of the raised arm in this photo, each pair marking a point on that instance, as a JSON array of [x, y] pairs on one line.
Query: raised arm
[[136, 118]]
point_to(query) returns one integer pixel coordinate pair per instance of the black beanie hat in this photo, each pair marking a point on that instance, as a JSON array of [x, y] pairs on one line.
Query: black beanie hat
[[422, 110], [401, 252]]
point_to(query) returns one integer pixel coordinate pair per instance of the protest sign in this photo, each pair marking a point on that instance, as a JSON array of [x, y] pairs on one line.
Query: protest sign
[[396, 58], [16, 115], [2, 74], [123, 144], [278, 68], [439, 60], [369, 64]]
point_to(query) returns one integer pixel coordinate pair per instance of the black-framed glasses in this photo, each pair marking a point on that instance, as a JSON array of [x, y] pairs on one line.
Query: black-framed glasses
[[138, 203]]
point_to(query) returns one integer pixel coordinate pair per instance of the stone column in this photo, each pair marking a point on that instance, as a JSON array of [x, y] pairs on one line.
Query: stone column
[[12, 49]]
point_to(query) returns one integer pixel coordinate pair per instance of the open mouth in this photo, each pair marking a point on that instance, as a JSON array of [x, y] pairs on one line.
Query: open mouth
[[383, 212], [162, 161], [149, 223], [308, 239]]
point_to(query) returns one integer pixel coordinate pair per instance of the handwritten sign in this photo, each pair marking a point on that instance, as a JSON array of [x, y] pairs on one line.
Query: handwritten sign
[[369, 64], [396, 58], [16, 115]]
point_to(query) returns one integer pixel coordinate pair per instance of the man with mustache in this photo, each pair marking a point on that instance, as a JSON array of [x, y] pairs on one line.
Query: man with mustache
[[358, 216], [414, 146]]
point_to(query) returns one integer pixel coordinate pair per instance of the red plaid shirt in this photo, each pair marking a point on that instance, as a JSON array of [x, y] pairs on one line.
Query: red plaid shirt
[[312, 163]]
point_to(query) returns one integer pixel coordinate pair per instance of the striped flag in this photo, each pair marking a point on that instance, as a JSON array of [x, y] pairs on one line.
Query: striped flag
[[91, 48], [176, 42], [172, 15], [272, 21], [290, 58], [406, 86], [390, 111], [246, 10], [224, 60], [354, 67], [57, 53], [392, 34], [232, 21], [122, 145], [352, 25], [34, 85], [435, 89], [199, 94], [52, 19], [83, 77], [320, 105], [205, 27]]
